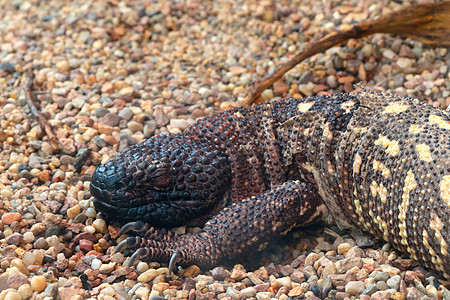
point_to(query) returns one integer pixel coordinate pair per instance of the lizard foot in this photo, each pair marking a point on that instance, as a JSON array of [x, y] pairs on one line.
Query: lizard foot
[[237, 229]]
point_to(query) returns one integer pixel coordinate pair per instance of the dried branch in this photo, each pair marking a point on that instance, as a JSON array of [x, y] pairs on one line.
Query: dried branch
[[28, 86], [428, 23]]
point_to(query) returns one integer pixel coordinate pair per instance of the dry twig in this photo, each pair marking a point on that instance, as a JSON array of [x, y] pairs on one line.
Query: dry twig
[[28, 86]]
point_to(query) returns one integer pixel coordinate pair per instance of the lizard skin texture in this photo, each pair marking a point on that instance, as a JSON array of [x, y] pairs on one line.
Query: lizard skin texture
[[375, 161]]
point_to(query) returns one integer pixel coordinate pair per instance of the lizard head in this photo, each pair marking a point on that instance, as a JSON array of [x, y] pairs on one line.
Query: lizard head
[[165, 181]]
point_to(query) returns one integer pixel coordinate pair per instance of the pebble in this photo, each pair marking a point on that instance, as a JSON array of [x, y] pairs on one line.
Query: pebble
[[233, 293], [394, 282], [9, 218], [354, 288], [38, 283]]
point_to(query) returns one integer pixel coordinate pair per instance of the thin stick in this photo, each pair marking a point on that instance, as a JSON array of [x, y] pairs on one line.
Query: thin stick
[[428, 23], [37, 114]]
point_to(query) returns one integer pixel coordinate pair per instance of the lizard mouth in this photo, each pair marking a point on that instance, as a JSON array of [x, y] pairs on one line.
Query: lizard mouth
[[153, 206]]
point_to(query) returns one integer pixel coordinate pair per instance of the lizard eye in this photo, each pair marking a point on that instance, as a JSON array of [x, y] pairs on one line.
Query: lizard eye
[[159, 175]]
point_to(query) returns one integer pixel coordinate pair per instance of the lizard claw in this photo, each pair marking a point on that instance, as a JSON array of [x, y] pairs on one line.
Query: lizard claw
[[141, 252], [173, 260], [126, 243], [138, 227]]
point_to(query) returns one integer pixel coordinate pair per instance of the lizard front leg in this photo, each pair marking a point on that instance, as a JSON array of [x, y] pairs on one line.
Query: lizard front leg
[[243, 226]]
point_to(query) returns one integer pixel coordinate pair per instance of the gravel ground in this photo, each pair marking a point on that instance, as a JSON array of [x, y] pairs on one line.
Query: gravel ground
[[112, 73]]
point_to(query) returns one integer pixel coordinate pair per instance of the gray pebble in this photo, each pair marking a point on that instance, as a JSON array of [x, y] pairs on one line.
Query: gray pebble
[[382, 286], [80, 218], [66, 160], [51, 290], [101, 112], [381, 276], [394, 282], [219, 274], [14, 239], [355, 287], [41, 243], [25, 174], [126, 113], [149, 128]]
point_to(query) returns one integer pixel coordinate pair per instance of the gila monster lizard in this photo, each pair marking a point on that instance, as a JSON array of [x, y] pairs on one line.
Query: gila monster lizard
[[376, 161]]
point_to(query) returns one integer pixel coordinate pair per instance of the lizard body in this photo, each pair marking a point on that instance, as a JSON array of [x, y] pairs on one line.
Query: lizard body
[[379, 162]]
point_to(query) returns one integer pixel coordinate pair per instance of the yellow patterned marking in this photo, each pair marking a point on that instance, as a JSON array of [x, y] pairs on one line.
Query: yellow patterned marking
[[348, 105], [238, 114], [392, 147], [439, 121], [410, 184], [383, 227], [427, 244], [357, 163], [437, 225], [378, 190], [359, 129], [304, 106], [395, 108], [374, 188], [445, 189], [382, 191], [379, 166], [415, 129], [424, 152], [327, 133]]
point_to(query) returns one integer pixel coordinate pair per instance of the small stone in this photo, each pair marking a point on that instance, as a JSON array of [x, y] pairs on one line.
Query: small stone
[[264, 296], [161, 286], [296, 291], [147, 276], [63, 66], [343, 248], [389, 54], [249, 292], [280, 88], [107, 268], [404, 63], [86, 245], [25, 291], [16, 280], [219, 274], [12, 295], [381, 276], [179, 123], [126, 113], [14, 239], [284, 281], [394, 282], [96, 264], [355, 288], [217, 288], [233, 293], [346, 264], [73, 211], [38, 283], [329, 269], [161, 118], [9, 218], [311, 258], [431, 291], [110, 119], [382, 286], [191, 271]]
